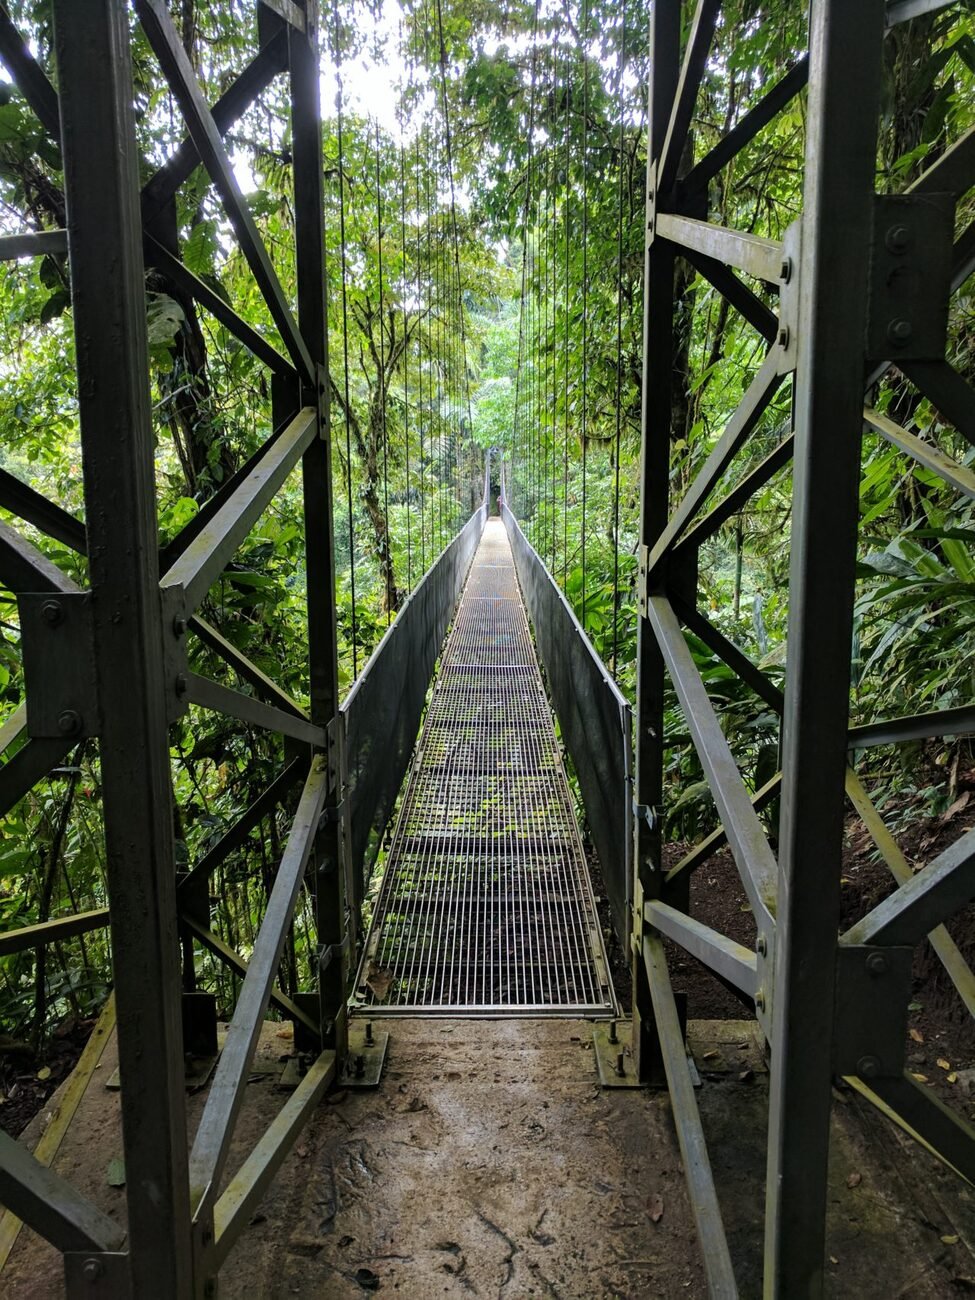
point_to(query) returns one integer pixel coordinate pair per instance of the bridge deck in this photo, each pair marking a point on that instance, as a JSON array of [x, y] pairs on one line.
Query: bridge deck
[[486, 905]]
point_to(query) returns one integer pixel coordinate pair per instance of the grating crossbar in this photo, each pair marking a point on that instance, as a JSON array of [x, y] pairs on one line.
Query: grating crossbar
[[486, 904]]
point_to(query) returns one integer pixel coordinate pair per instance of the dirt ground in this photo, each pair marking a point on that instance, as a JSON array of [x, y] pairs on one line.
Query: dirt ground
[[489, 1163]]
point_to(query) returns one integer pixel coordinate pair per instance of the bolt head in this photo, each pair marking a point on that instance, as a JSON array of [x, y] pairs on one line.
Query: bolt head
[[868, 1067], [877, 963], [179, 626], [760, 1000], [69, 724], [785, 272], [52, 613], [761, 947], [92, 1269], [898, 239], [784, 336], [181, 684], [899, 332]]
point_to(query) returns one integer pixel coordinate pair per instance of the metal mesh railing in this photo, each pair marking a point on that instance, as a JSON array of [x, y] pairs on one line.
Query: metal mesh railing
[[486, 904]]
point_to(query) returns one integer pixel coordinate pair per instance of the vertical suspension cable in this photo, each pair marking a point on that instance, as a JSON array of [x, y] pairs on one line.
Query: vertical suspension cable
[[406, 329], [347, 409], [567, 223], [620, 65], [388, 558], [585, 288]]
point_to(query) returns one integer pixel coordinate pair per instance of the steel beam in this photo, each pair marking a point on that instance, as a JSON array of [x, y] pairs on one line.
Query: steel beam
[[685, 96], [690, 1134], [730, 960], [758, 257], [960, 477], [330, 875], [164, 39], [51, 1206], [925, 901], [744, 132], [749, 845], [45, 932], [206, 557], [749, 411], [657, 393], [844, 90], [33, 243], [101, 190], [235, 1208], [212, 1143], [247, 708], [24, 568]]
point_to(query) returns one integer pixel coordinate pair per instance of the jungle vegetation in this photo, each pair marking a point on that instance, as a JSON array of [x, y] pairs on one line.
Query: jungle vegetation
[[485, 263]]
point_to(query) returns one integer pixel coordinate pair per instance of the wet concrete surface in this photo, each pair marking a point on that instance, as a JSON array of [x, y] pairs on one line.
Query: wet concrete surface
[[489, 1163]]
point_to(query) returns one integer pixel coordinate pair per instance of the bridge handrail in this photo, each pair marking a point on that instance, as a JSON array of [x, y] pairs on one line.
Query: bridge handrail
[[380, 717], [595, 718]]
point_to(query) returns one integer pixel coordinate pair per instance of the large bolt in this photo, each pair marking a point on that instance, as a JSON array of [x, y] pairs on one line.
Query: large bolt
[[785, 271], [52, 613], [370, 1041], [69, 722], [761, 946], [92, 1269], [179, 626], [760, 1000], [784, 336], [899, 332], [868, 1067], [898, 239], [877, 963], [181, 684], [620, 1065]]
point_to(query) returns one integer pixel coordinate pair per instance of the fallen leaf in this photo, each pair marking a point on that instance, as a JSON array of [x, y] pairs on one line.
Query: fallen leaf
[[709, 1056], [287, 1032], [960, 803], [945, 1065], [854, 1180], [656, 1207], [116, 1172], [916, 1035], [953, 1077], [378, 981], [921, 1078], [44, 1072], [833, 1259], [301, 1152], [746, 1076], [950, 1240]]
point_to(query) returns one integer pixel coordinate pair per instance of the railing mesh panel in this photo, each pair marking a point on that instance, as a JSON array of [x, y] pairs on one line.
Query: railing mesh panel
[[486, 904]]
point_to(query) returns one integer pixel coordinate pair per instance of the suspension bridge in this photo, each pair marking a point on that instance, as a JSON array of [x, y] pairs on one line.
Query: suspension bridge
[[445, 758]]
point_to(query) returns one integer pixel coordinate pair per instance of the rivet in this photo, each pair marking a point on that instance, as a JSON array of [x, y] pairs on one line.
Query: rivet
[[868, 1067], [898, 239], [784, 336], [181, 684], [785, 271], [877, 963], [52, 613], [69, 722], [179, 626], [92, 1269], [760, 1000], [899, 331]]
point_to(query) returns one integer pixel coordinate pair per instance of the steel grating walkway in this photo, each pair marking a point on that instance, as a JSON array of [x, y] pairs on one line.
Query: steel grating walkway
[[486, 905]]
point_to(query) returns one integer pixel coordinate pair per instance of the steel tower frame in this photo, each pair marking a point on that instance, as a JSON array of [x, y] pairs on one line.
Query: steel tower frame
[[130, 625], [864, 282]]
